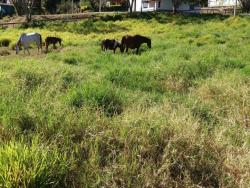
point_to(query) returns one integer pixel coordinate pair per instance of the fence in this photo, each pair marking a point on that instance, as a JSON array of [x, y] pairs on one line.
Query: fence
[[61, 17]]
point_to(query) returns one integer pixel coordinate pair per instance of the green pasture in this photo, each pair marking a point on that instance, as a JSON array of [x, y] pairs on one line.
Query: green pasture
[[176, 115]]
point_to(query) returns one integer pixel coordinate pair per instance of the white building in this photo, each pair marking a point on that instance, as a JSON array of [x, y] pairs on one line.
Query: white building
[[153, 5], [167, 5], [221, 3]]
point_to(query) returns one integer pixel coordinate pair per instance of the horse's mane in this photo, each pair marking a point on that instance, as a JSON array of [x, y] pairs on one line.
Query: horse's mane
[[146, 38]]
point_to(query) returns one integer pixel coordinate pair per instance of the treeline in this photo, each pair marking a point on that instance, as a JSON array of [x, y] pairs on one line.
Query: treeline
[[67, 6]]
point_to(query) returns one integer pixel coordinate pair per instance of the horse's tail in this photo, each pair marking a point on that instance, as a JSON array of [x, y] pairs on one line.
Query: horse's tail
[[102, 45], [123, 42]]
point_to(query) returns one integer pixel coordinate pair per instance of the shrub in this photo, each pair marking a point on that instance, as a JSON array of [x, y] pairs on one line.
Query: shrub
[[245, 5], [5, 42], [112, 17]]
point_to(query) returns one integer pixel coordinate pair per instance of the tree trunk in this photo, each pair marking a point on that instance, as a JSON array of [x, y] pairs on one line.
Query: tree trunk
[[28, 14], [174, 9], [100, 5], [131, 6]]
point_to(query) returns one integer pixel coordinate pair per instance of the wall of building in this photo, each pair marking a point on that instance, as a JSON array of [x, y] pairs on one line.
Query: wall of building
[[153, 5], [216, 3]]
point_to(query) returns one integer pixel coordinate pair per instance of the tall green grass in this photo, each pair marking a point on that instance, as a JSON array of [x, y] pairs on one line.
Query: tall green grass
[[176, 115]]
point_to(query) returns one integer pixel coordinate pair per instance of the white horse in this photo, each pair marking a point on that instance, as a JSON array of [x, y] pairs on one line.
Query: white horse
[[26, 39]]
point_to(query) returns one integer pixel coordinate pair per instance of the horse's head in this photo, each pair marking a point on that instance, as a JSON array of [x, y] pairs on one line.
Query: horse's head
[[121, 47], [149, 43]]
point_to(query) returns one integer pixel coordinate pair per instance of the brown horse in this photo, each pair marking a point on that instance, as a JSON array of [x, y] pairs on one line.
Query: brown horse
[[52, 40], [134, 42], [108, 44]]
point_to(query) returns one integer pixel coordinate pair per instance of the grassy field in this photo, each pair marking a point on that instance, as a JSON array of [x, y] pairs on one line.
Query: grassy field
[[176, 115]]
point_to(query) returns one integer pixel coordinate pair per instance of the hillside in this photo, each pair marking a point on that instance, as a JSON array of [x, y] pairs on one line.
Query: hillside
[[176, 115]]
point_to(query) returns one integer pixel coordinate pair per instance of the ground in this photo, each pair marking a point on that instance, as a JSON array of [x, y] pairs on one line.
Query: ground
[[176, 115]]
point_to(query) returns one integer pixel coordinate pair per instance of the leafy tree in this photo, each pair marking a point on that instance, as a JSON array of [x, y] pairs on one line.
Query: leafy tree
[[51, 5], [245, 5], [25, 7], [176, 4]]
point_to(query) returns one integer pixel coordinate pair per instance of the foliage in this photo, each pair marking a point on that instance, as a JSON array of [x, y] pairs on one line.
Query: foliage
[[4, 42], [245, 5]]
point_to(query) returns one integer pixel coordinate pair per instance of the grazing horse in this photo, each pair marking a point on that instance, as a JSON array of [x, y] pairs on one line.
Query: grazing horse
[[26, 39], [134, 42], [108, 44], [52, 40]]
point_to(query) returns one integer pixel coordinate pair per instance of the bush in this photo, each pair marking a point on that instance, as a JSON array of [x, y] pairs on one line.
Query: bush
[[5, 42], [245, 5], [112, 18]]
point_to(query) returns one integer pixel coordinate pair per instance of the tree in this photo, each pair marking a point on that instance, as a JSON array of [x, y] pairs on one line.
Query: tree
[[176, 4], [51, 5], [100, 5], [24, 7], [131, 5], [245, 5]]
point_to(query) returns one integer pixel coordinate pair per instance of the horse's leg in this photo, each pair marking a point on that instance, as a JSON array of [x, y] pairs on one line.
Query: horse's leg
[[27, 48], [137, 50], [126, 49], [24, 48], [114, 50], [38, 47]]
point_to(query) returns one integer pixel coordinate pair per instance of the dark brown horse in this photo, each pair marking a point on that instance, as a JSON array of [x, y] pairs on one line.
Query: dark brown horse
[[134, 42], [108, 44], [52, 40]]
